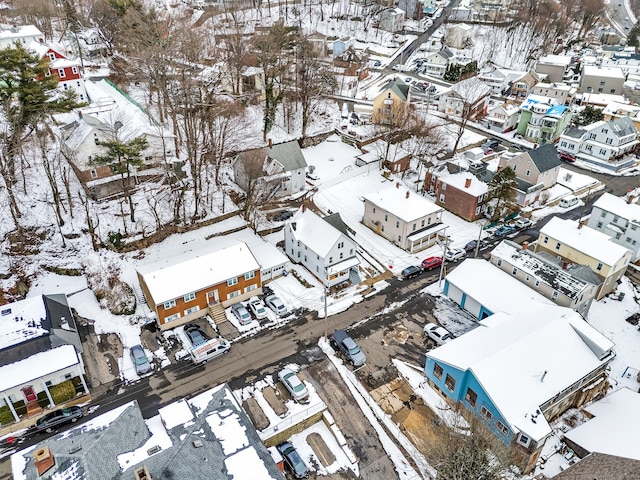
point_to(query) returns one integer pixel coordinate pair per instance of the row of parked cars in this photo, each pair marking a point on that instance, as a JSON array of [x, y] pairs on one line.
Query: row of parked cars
[[256, 308]]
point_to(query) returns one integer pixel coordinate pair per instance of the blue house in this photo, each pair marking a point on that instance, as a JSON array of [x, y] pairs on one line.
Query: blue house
[[519, 372], [485, 297]]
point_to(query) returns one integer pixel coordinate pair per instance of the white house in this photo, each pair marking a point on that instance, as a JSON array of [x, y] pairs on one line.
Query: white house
[[620, 219], [604, 143], [328, 253], [39, 348], [25, 34], [500, 79], [407, 219], [392, 19], [503, 117], [469, 97], [458, 35], [436, 63]]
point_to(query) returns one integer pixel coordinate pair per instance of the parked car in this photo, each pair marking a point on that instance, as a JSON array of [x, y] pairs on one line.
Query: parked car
[[471, 246], [195, 334], [568, 201], [492, 144], [377, 63], [140, 360], [436, 333], [295, 386], [411, 271], [52, 420], [408, 80], [343, 343], [210, 349], [241, 313], [504, 230], [523, 222], [454, 254], [292, 460], [282, 216], [431, 263], [257, 308], [567, 157], [275, 304]]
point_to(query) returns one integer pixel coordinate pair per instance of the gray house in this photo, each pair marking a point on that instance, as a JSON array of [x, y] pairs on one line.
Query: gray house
[[279, 169], [323, 246]]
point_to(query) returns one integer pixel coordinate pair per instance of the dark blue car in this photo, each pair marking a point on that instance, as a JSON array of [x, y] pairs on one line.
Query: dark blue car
[[504, 230], [292, 460]]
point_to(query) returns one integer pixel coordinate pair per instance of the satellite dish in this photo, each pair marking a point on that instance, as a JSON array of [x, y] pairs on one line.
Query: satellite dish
[[117, 125]]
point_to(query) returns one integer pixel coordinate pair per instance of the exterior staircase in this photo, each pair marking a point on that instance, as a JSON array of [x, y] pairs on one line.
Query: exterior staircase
[[217, 313], [354, 276]]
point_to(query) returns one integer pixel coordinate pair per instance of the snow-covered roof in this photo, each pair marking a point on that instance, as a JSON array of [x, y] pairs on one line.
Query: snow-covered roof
[[604, 72], [562, 60], [37, 366], [614, 426], [459, 180], [590, 242], [534, 265], [314, 232], [541, 351], [18, 32], [489, 285], [618, 206], [176, 276], [21, 321], [402, 203], [268, 255]]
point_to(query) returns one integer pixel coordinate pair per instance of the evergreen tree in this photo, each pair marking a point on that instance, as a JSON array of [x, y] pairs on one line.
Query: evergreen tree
[[502, 194], [589, 115]]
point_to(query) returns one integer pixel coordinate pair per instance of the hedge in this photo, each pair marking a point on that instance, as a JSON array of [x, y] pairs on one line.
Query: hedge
[[6, 416], [62, 392]]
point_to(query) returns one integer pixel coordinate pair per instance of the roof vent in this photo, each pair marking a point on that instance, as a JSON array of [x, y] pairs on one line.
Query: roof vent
[[142, 473], [6, 311], [43, 460]]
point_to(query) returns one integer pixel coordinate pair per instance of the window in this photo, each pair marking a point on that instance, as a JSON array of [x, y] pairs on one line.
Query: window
[[558, 245], [191, 310], [399, 238], [499, 262], [599, 267], [330, 259], [250, 288], [48, 383], [609, 141], [514, 271], [437, 371], [545, 239], [74, 69], [554, 295], [235, 293], [249, 275], [374, 209], [515, 166], [422, 223], [486, 413], [190, 296], [527, 278], [171, 318], [537, 283], [386, 217], [341, 244], [634, 227], [169, 304], [341, 255], [603, 214], [603, 151], [47, 73], [599, 225], [628, 240], [527, 173], [450, 382], [523, 440], [413, 229], [442, 198], [444, 186], [234, 280], [471, 397], [52, 56], [502, 428], [67, 376], [351, 251], [94, 173]]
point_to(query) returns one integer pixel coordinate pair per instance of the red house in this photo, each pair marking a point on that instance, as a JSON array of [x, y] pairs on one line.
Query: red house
[[459, 192], [68, 71]]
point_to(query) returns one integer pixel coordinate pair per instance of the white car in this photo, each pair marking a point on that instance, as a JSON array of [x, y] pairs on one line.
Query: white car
[[436, 333], [454, 254], [275, 304], [257, 308], [295, 386], [523, 222]]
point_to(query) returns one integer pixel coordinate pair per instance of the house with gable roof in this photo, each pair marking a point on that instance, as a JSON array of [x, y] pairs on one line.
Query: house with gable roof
[[469, 97], [562, 92], [536, 170], [191, 285], [68, 71], [279, 168], [542, 119], [604, 143], [392, 100], [25, 34], [459, 192], [619, 217], [323, 246], [208, 436], [39, 348], [579, 244], [552, 279], [405, 218], [503, 117], [517, 373], [436, 63]]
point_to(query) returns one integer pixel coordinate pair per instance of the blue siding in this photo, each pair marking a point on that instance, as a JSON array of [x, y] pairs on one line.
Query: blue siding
[[446, 287], [463, 299], [464, 380], [484, 312]]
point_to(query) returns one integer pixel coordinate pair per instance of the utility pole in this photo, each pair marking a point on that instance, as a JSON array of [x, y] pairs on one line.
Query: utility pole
[[475, 254], [326, 292], [444, 256]]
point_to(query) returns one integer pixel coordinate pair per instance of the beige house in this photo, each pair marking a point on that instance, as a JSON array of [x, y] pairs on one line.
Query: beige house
[[608, 80], [390, 103], [579, 244], [562, 92], [545, 276], [458, 35], [405, 218]]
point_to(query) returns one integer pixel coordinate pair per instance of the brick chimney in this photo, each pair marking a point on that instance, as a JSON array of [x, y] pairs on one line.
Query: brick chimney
[[407, 195], [398, 185], [525, 245], [565, 265], [467, 183], [43, 460], [270, 143], [142, 473], [304, 208]]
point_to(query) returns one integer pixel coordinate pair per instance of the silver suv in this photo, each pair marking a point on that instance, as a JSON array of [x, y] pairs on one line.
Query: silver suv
[[343, 343]]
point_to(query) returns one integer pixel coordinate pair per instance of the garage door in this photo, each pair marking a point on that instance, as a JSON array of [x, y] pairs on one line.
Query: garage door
[[472, 306], [454, 293]]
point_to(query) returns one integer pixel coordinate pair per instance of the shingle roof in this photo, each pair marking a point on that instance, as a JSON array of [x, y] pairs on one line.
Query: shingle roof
[[599, 466], [398, 87], [545, 157], [623, 126], [574, 132], [288, 154]]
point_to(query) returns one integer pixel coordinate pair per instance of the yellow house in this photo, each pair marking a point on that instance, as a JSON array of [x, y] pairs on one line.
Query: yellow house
[[616, 110], [390, 104], [579, 244]]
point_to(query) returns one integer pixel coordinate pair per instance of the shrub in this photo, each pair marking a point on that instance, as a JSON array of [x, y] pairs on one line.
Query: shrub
[[62, 392], [112, 293], [6, 416]]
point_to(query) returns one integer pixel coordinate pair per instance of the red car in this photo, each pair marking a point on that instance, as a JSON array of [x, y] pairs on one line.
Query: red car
[[567, 157], [431, 263]]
